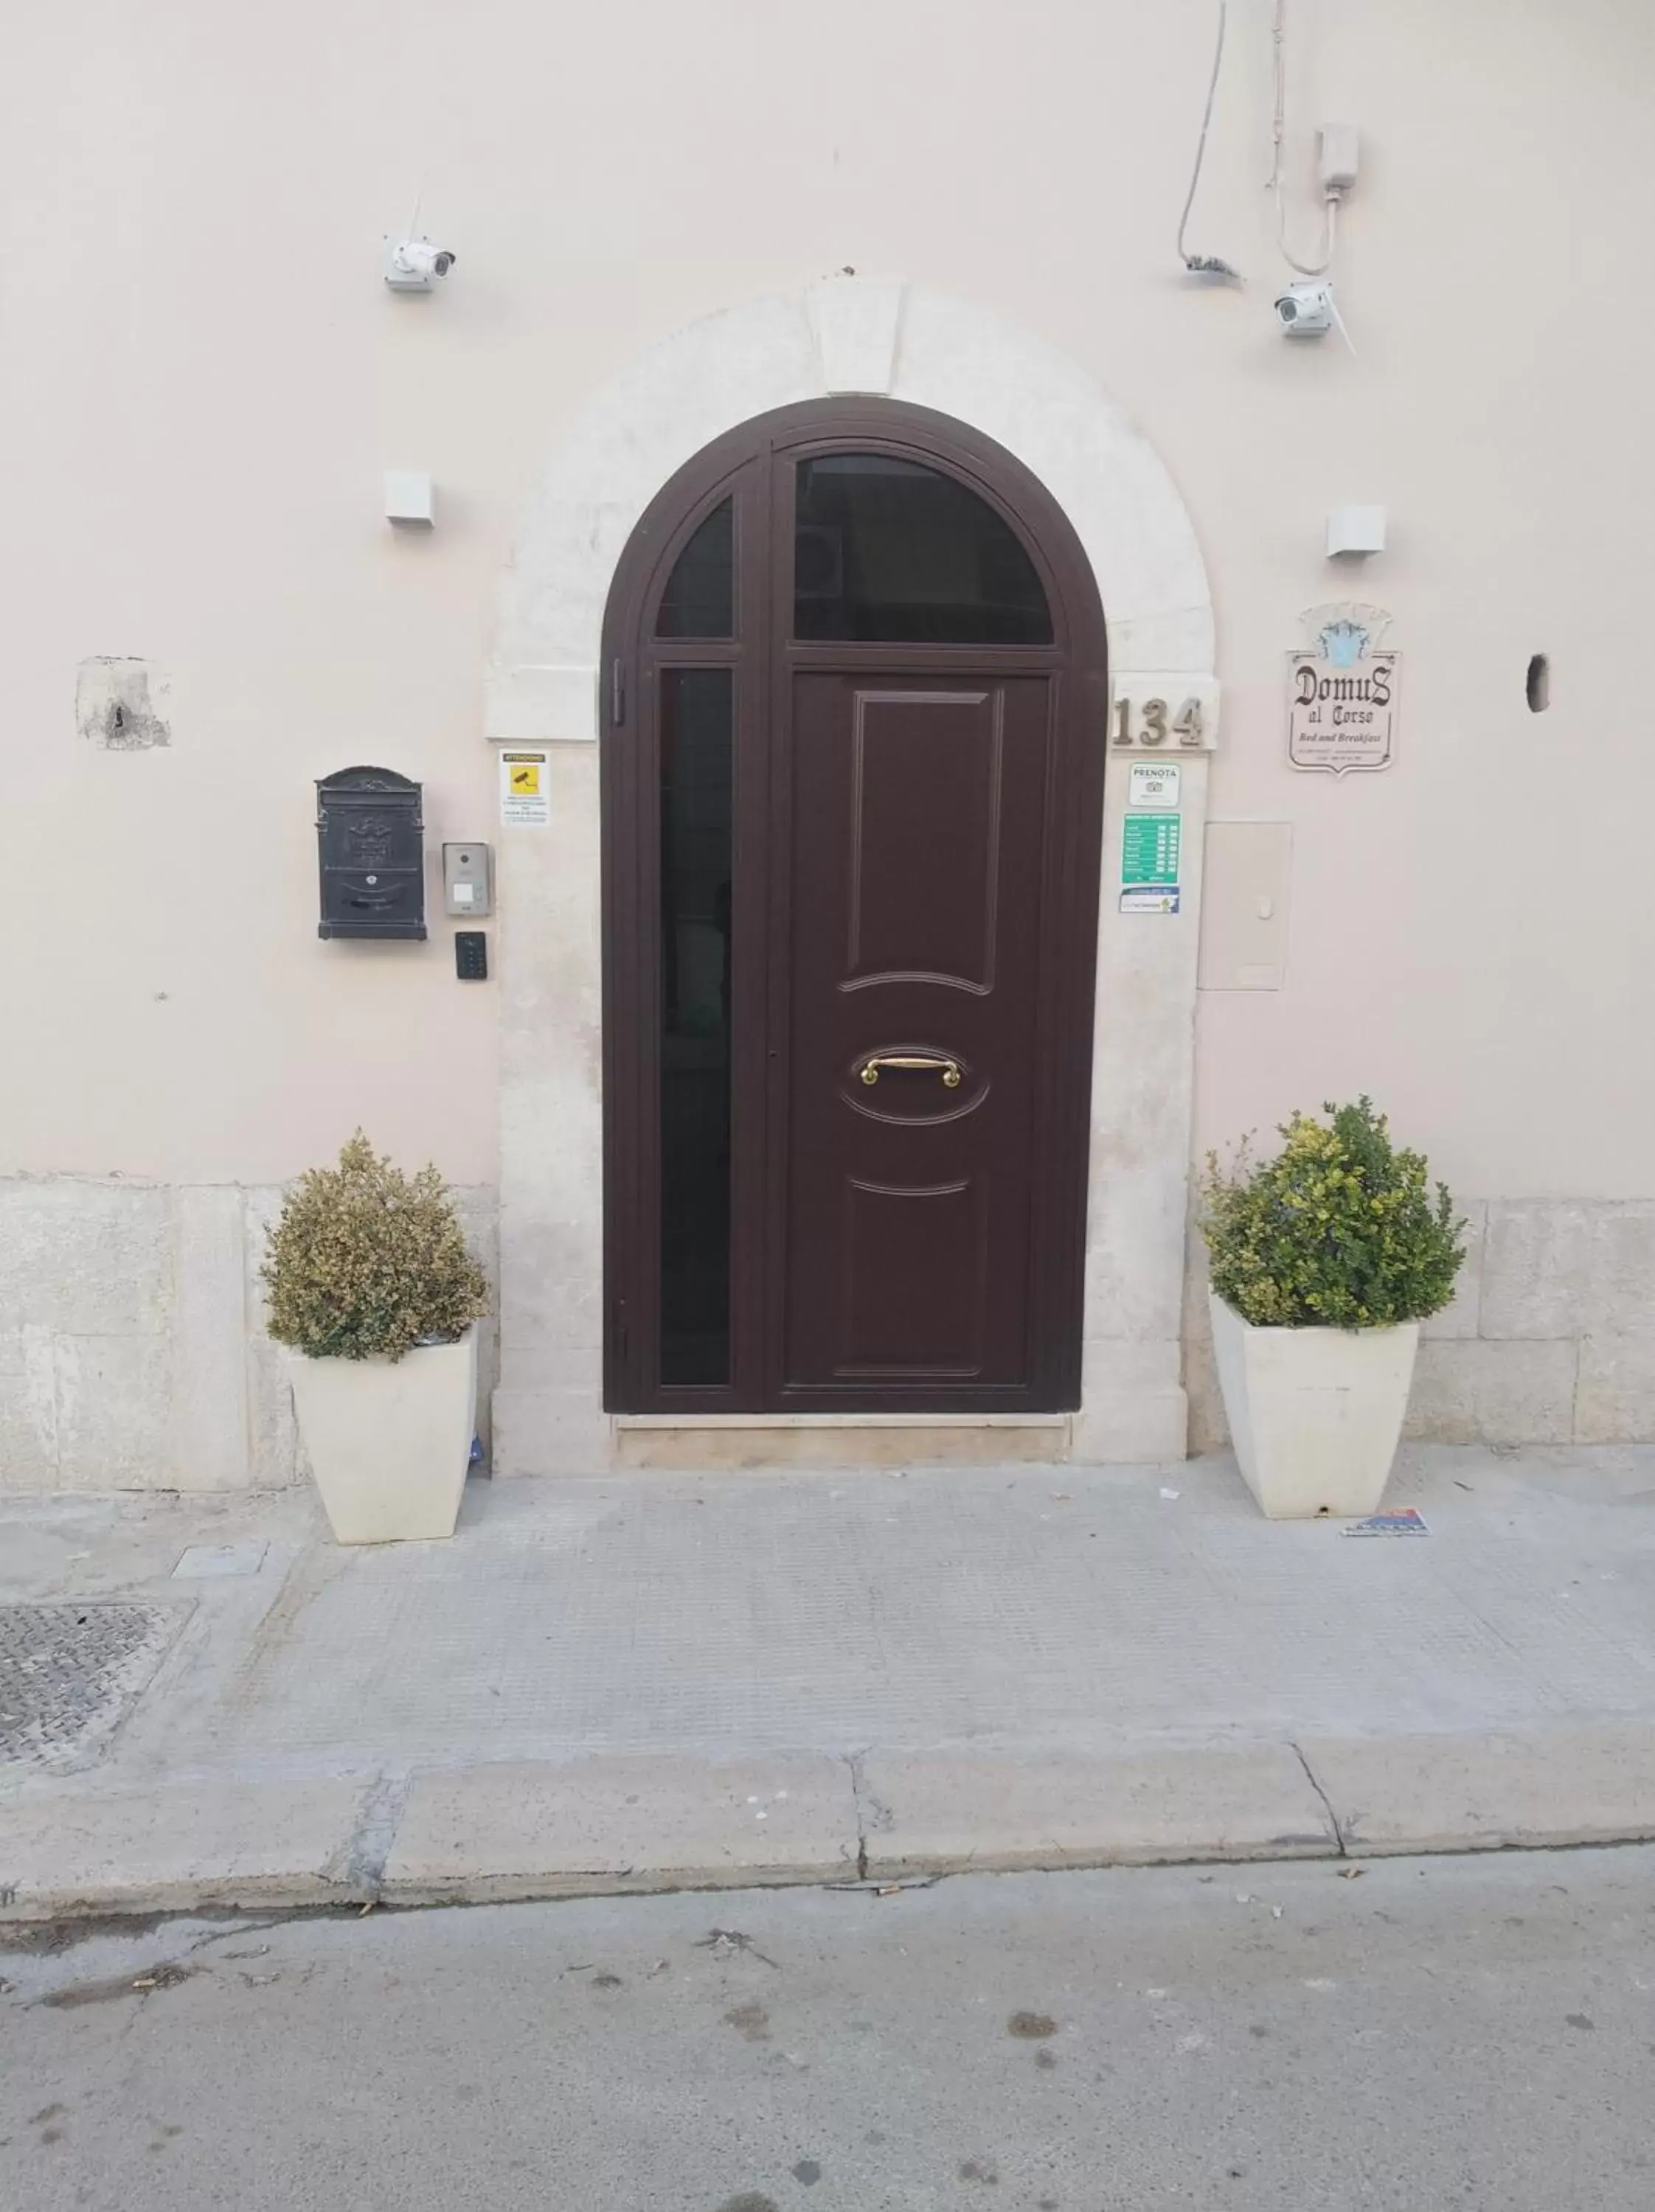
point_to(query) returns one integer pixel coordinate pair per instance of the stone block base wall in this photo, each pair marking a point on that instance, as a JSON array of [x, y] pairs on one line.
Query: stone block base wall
[[1550, 1340], [133, 1355], [132, 1349]]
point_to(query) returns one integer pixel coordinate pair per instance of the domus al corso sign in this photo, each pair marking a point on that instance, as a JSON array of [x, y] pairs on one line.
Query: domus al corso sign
[[1342, 692]]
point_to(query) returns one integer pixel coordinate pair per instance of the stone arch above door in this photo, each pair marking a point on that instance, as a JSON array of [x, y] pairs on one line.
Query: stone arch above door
[[845, 335]]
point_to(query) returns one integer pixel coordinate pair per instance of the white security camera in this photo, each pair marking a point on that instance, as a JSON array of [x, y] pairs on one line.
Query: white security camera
[[1306, 310], [413, 264]]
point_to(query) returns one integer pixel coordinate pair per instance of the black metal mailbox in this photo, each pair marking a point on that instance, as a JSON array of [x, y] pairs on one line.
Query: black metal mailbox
[[370, 842]]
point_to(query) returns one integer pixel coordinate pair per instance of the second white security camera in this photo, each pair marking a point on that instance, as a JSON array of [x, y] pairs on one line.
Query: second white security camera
[[413, 264], [1306, 310]]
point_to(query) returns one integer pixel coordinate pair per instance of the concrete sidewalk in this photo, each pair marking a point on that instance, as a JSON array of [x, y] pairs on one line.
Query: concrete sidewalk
[[652, 1680]]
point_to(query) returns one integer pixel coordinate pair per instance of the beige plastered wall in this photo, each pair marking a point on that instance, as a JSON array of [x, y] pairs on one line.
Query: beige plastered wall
[[205, 380]]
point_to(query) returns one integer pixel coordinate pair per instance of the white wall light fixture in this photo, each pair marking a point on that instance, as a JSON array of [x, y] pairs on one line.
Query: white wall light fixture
[[410, 497], [1356, 530]]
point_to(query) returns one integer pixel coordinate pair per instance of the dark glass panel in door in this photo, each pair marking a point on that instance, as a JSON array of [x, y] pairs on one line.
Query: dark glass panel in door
[[699, 600], [697, 732], [887, 549]]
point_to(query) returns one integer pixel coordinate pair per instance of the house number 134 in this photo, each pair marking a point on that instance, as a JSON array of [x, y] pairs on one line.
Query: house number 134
[[1157, 725]]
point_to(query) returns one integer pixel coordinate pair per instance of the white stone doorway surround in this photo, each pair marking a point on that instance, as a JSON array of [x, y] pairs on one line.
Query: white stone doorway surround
[[846, 336]]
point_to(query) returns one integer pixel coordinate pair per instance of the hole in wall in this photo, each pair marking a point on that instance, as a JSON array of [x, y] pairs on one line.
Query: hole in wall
[[1539, 685]]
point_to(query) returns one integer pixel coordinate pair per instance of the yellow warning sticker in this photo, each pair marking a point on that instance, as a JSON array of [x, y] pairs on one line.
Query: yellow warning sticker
[[525, 802]]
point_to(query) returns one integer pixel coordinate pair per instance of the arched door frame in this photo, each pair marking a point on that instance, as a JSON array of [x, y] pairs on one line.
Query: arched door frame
[[847, 335], [752, 466]]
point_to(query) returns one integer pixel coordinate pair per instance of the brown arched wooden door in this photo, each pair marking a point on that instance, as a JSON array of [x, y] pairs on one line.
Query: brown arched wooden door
[[853, 749]]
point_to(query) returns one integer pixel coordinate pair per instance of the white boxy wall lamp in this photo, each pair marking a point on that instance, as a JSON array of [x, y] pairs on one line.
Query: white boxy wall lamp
[[410, 496], [1357, 529]]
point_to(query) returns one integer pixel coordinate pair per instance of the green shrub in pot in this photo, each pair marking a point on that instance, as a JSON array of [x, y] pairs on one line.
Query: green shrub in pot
[[1341, 1230], [374, 1292], [367, 1261], [1324, 1262]]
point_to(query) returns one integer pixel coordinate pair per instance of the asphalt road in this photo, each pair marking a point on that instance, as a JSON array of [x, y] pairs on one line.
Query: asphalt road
[[1463, 2033]]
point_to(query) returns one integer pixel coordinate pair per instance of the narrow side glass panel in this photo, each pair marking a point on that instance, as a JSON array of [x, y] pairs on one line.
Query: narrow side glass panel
[[696, 792], [699, 600], [887, 549]]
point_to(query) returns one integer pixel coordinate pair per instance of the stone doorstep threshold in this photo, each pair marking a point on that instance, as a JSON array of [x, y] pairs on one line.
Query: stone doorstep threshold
[[609, 1823], [743, 1422], [711, 1443]]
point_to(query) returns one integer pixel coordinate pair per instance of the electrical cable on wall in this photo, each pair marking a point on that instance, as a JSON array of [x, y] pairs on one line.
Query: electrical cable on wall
[[1279, 133], [1206, 264]]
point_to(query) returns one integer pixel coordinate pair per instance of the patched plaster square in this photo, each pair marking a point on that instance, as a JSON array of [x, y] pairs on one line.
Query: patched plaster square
[[855, 325], [121, 705]]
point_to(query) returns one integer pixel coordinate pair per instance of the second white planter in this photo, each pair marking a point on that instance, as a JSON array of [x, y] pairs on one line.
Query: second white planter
[[1315, 1414], [389, 1440]]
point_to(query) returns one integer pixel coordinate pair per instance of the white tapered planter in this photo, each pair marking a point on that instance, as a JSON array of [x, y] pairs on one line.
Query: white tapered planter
[[390, 1440], [1315, 1414]]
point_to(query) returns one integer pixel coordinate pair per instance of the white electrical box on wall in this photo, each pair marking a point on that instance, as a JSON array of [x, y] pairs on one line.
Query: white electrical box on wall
[[1246, 884], [1338, 150]]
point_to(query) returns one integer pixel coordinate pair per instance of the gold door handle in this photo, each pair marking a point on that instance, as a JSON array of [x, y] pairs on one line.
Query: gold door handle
[[924, 1062]]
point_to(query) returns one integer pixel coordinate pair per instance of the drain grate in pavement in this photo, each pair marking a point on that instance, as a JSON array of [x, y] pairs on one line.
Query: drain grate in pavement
[[68, 1674]]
